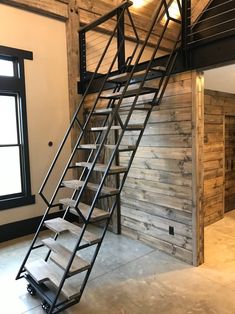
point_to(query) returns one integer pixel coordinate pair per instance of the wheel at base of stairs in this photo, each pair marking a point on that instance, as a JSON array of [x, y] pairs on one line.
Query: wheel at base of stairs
[[31, 290], [45, 306]]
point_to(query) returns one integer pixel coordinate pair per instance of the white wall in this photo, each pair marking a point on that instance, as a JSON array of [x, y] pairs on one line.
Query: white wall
[[221, 79], [46, 89]]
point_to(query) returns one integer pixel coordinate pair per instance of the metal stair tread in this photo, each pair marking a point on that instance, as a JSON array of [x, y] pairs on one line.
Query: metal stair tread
[[116, 127], [122, 148], [88, 146], [123, 77], [73, 184], [129, 93], [76, 184], [62, 255], [104, 128], [60, 225], [41, 271], [97, 214], [102, 111], [102, 167]]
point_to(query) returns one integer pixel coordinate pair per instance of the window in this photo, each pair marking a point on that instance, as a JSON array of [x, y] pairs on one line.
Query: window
[[15, 187]]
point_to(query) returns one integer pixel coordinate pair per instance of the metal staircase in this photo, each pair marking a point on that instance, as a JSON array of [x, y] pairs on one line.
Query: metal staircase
[[61, 275]]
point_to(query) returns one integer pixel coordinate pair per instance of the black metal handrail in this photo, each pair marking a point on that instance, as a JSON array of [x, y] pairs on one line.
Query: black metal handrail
[[124, 7], [94, 26], [83, 128]]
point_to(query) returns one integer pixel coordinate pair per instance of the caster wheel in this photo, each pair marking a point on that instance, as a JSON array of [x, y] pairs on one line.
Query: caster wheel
[[31, 290], [45, 306]]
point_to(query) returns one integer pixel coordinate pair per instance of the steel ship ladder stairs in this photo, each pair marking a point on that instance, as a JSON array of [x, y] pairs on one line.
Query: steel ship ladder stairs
[[59, 275]]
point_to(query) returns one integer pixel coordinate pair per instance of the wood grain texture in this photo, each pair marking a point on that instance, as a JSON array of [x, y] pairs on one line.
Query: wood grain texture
[[50, 8], [197, 167], [158, 192], [217, 106]]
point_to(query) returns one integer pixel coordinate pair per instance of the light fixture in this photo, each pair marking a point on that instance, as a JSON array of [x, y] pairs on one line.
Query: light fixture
[[138, 3], [173, 10]]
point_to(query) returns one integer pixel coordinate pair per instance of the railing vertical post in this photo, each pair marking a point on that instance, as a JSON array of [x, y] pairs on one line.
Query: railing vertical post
[[186, 23], [82, 46], [120, 34]]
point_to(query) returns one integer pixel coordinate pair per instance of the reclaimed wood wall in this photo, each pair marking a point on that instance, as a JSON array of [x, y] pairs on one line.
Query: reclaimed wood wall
[[158, 193], [217, 106]]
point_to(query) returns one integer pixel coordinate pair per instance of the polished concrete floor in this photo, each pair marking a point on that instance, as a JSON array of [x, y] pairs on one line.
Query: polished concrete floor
[[132, 278]]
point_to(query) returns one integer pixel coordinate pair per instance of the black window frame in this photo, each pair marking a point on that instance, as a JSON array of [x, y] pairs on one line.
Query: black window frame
[[15, 86]]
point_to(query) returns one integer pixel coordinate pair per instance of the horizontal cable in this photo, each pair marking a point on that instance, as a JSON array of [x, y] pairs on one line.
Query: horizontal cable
[[211, 36], [217, 6], [210, 18], [211, 27]]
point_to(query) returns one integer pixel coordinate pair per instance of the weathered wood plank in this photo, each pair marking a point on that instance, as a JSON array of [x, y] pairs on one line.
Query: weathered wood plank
[[162, 153], [161, 199], [161, 188], [169, 165], [168, 247], [161, 176], [157, 210], [197, 167], [49, 8]]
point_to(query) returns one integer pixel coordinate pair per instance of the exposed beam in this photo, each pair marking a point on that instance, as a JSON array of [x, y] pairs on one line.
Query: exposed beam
[[72, 29], [50, 8]]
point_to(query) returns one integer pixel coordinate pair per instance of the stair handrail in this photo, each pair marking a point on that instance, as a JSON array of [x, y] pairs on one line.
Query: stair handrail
[[122, 7]]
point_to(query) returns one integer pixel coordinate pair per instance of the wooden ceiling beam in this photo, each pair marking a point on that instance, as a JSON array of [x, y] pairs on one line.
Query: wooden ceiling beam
[[50, 8]]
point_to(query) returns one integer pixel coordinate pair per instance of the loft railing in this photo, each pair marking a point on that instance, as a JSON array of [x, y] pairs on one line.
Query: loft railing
[[93, 38], [216, 21], [96, 48]]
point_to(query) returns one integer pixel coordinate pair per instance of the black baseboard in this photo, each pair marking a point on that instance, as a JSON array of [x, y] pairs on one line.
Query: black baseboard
[[25, 227]]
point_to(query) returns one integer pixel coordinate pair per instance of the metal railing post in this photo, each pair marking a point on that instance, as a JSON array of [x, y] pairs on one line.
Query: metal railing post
[[82, 56], [186, 23], [120, 35]]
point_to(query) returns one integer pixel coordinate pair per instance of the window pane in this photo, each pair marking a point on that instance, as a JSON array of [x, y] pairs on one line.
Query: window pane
[[8, 126], [10, 182], [6, 68]]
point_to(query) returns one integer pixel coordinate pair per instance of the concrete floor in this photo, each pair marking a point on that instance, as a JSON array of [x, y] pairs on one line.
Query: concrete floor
[[132, 278]]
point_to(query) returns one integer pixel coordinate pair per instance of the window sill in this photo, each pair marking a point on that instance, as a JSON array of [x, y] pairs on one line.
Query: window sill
[[17, 202]]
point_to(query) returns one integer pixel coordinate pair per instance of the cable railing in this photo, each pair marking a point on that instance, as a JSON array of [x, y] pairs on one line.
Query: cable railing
[[95, 43], [217, 21]]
